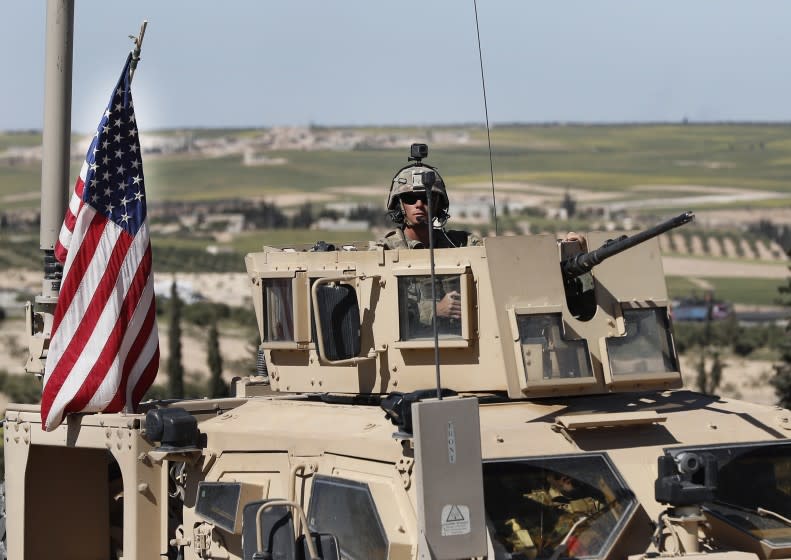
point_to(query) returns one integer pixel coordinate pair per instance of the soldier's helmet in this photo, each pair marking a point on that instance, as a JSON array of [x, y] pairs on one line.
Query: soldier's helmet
[[410, 179]]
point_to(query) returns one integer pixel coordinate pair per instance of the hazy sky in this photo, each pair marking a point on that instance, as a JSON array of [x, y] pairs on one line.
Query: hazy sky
[[295, 62]]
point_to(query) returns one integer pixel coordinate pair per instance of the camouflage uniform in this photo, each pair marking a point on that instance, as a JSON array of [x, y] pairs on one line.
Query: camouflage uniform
[[443, 239]]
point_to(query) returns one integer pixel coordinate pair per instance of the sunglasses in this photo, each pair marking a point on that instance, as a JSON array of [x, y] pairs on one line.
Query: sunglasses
[[412, 198]]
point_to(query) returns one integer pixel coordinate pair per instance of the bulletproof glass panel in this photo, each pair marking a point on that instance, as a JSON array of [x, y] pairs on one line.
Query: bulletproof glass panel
[[345, 508], [218, 503], [416, 310], [547, 353], [339, 315], [753, 488], [532, 505], [647, 346], [277, 528], [278, 310]]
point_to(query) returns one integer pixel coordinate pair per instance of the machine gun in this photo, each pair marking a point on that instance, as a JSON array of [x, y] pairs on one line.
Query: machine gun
[[576, 270]]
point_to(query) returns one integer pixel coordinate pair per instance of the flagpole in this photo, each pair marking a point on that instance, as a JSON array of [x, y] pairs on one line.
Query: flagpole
[[138, 41]]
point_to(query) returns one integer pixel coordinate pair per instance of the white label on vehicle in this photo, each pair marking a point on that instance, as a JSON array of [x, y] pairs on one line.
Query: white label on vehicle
[[455, 520], [451, 443]]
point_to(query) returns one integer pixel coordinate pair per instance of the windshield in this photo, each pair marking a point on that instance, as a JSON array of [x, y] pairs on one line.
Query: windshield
[[532, 505], [750, 477]]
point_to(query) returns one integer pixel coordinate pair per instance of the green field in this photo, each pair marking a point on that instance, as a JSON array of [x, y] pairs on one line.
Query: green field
[[746, 291], [599, 158]]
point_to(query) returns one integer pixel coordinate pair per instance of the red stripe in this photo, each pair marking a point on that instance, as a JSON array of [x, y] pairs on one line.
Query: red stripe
[[60, 252], [82, 260], [147, 379], [142, 337], [79, 187], [83, 332], [69, 220], [102, 366]]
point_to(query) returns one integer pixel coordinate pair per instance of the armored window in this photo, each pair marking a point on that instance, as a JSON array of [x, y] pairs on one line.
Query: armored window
[[753, 493], [278, 310], [533, 505], [647, 346], [416, 311], [346, 509], [547, 352]]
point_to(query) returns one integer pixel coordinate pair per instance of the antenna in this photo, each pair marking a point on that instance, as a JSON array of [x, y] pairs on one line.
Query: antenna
[[486, 112], [428, 178]]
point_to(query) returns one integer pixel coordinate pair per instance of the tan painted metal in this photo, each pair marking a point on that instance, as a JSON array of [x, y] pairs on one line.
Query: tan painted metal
[[279, 441]]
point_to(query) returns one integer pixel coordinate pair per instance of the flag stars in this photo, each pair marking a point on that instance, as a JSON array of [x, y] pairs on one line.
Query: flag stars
[[107, 191], [119, 153], [139, 195], [136, 164], [133, 148], [117, 123], [122, 185], [94, 167], [136, 179], [116, 138], [94, 198], [109, 208], [121, 169], [118, 106], [125, 201], [125, 218], [105, 144], [105, 160], [105, 129], [105, 175], [133, 133]]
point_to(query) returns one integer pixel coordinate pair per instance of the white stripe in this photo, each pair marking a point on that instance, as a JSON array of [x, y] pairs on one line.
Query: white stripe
[[112, 381], [65, 237], [84, 170], [74, 203], [106, 322], [145, 356], [61, 338]]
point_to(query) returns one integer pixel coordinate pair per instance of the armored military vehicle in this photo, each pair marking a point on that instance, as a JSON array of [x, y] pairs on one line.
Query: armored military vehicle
[[546, 420]]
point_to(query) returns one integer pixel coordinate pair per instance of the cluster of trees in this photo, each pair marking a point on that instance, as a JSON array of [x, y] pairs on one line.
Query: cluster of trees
[[777, 232], [204, 314], [268, 216], [782, 378]]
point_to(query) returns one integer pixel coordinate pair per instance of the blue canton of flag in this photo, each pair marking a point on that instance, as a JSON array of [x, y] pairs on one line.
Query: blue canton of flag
[[115, 172]]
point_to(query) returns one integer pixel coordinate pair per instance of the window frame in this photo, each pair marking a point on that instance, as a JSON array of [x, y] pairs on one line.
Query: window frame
[[629, 379], [467, 292], [299, 309], [348, 483], [526, 384], [619, 530]]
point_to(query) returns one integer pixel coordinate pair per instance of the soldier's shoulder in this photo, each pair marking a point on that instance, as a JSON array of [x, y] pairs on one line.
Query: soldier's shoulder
[[461, 238], [390, 240]]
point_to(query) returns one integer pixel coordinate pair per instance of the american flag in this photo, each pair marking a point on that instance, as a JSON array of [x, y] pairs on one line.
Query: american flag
[[104, 350]]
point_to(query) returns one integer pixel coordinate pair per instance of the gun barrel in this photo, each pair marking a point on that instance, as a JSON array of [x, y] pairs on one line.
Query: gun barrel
[[584, 262]]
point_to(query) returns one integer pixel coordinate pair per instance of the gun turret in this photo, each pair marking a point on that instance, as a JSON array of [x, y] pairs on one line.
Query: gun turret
[[584, 262], [576, 269]]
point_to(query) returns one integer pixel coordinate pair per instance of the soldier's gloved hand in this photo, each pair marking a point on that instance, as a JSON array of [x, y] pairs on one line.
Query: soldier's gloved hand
[[450, 306]]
